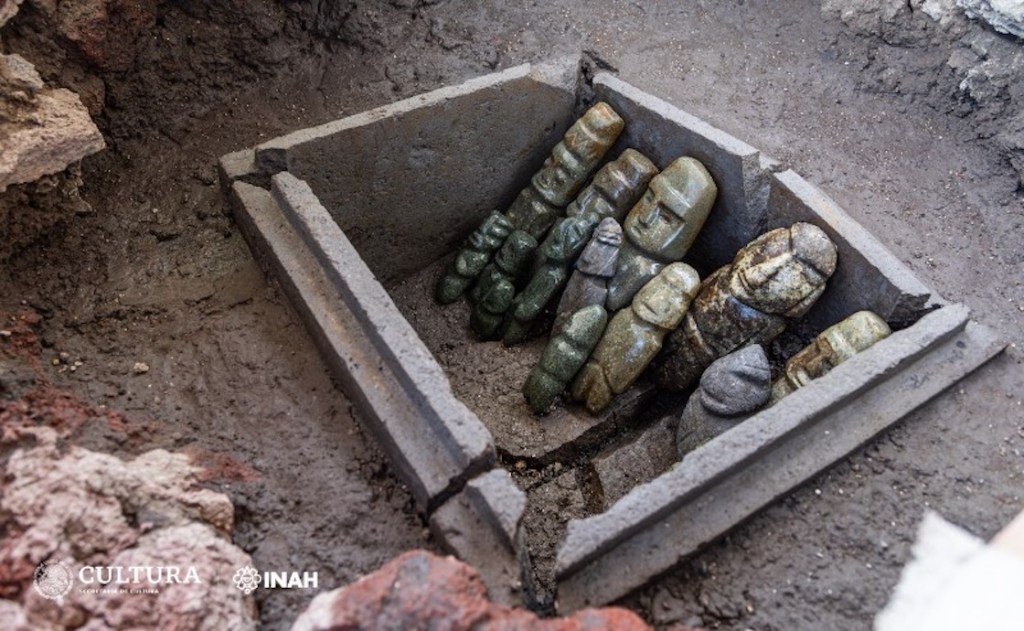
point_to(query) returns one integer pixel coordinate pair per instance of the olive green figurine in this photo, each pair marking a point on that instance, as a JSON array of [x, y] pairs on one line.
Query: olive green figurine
[[568, 239], [563, 357], [496, 289], [661, 227], [473, 257], [634, 336], [571, 162], [773, 280], [588, 285], [616, 187], [832, 347]]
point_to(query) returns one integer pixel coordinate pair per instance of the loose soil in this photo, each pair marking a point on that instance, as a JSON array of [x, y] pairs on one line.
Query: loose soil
[[159, 274]]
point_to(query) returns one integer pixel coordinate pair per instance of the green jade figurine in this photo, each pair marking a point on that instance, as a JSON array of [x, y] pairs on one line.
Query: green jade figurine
[[571, 162], [634, 336], [567, 241], [563, 357], [473, 257], [773, 280], [661, 227], [494, 292], [835, 345], [615, 188]]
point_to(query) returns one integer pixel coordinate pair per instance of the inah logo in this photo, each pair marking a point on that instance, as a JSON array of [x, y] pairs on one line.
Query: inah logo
[[247, 579], [53, 580]]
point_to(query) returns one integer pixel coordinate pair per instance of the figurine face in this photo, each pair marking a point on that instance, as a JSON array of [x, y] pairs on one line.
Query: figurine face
[[514, 254], [561, 175], [567, 238], [783, 268], [605, 243], [663, 301], [653, 227]]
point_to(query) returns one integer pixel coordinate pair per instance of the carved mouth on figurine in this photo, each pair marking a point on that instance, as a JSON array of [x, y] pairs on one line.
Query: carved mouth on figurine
[[357, 219]]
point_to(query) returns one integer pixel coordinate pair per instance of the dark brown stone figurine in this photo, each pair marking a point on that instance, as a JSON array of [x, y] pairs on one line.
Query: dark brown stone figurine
[[473, 257], [772, 281], [588, 285], [832, 347], [661, 227], [567, 240], [571, 162], [563, 357], [634, 336], [495, 291]]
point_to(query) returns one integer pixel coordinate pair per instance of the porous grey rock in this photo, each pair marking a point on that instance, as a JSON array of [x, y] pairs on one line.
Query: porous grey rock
[[8, 8], [731, 389], [1005, 16]]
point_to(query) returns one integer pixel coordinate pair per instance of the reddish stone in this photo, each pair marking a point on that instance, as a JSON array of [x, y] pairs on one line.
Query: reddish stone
[[421, 590]]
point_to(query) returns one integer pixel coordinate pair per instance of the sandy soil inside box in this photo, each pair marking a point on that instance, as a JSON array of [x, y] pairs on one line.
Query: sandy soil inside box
[[913, 126]]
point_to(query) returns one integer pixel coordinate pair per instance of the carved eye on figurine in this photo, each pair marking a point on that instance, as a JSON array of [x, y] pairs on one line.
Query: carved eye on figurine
[[662, 302]]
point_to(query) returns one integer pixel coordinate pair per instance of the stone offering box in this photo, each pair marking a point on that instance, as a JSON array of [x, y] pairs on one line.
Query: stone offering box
[[382, 199]]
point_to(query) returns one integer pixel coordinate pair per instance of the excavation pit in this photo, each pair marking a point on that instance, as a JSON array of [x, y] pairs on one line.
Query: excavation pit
[[357, 217]]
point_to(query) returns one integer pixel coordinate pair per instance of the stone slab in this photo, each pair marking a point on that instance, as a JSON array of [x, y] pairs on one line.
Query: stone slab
[[239, 165], [868, 276], [481, 526], [434, 453], [408, 181], [659, 524], [640, 460]]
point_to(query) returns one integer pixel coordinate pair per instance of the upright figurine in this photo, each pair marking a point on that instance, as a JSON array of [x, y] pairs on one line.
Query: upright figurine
[[661, 227], [731, 389], [473, 257], [588, 285], [616, 187], [565, 244], [563, 357], [634, 336], [835, 345], [565, 171], [496, 288], [772, 281]]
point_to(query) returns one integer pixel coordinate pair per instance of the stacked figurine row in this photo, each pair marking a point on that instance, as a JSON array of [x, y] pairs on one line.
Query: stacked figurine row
[[613, 254]]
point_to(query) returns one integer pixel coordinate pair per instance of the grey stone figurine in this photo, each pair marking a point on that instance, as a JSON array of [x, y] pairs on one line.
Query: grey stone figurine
[[634, 336], [731, 389], [563, 357], [773, 280], [495, 291], [661, 227], [473, 257], [588, 285]]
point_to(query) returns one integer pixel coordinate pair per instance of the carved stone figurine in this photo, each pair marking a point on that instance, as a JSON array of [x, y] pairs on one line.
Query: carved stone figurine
[[775, 279], [616, 187], [832, 347], [496, 288], [565, 171], [634, 336], [563, 357], [567, 241], [661, 227], [473, 257], [588, 285], [731, 389]]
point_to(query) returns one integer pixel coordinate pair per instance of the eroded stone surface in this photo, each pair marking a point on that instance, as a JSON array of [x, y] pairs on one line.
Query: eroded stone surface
[[1005, 16], [775, 279], [88, 508], [420, 590]]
